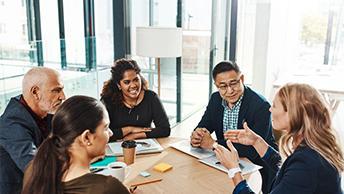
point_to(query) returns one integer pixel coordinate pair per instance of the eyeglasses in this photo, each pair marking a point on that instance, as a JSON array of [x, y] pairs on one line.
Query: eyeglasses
[[234, 85]]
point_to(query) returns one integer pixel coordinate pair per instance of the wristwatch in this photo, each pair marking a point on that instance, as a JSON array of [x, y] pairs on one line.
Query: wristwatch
[[231, 172]]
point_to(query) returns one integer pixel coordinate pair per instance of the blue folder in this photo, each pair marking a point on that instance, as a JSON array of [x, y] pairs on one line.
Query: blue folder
[[104, 162]]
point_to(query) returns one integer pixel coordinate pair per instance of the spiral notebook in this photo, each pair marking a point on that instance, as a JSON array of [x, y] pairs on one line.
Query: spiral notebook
[[144, 146]]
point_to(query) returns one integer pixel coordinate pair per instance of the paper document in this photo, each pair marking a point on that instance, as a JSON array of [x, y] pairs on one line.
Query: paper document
[[185, 147], [246, 167], [144, 146]]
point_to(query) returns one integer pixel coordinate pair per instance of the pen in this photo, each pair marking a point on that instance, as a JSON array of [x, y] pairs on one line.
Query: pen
[[95, 170], [145, 182]]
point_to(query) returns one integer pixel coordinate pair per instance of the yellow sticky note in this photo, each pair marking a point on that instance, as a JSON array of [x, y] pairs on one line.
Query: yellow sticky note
[[162, 167]]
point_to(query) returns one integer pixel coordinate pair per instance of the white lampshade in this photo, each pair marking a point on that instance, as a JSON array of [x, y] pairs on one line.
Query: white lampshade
[[158, 42]]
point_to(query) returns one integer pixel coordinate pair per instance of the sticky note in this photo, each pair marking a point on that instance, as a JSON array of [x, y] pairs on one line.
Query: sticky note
[[162, 167], [145, 174]]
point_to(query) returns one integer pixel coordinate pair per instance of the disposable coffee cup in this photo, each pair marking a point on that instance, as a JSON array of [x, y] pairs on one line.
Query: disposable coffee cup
[[129, 149]]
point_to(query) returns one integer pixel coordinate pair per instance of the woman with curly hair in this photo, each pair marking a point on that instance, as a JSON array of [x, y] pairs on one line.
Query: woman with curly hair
[[131, 106]]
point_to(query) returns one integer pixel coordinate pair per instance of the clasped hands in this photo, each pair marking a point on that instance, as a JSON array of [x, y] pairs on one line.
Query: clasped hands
[[201, 137], [132, 132]]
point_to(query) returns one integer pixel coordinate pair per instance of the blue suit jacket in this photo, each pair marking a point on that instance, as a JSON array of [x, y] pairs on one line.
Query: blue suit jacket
[[304, 172], [255, 110], [19, 139]]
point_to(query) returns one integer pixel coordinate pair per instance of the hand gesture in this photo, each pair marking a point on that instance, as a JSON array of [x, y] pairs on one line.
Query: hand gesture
[[207, 141], [243, 136], [228, 158], [197, 136]]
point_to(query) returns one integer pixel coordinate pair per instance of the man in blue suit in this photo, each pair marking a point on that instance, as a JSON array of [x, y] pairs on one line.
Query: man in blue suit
[[26, 123], [233, 104]]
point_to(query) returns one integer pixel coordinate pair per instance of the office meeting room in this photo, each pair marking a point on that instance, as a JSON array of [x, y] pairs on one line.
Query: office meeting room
[[171, 96]]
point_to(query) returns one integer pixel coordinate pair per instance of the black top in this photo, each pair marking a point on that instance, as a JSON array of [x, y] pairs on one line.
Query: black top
[[149, 110], [94, 184], [304, 172]]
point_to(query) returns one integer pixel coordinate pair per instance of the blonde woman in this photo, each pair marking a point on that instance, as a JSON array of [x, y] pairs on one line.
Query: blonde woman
[[314, 157]]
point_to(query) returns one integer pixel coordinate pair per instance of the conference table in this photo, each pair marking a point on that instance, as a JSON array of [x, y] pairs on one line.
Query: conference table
[[188, 175]]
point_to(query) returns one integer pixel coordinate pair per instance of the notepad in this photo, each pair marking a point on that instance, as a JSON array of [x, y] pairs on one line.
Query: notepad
[[162, 167]]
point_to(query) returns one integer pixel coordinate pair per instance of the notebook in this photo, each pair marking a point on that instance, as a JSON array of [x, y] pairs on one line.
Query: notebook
[[198, 153], [246, 167], [144, 146]]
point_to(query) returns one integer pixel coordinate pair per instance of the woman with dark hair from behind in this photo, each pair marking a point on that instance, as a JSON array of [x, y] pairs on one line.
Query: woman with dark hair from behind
[[314, 156], [80, 133], [132, 107]]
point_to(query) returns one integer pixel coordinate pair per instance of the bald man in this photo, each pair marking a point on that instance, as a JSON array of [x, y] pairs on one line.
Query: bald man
[[26, 123]]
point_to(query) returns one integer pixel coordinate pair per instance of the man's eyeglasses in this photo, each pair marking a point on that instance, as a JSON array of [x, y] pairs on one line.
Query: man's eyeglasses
[[234, 85]]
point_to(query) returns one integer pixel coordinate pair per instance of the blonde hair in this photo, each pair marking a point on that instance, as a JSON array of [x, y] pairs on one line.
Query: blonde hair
[[310, 122]]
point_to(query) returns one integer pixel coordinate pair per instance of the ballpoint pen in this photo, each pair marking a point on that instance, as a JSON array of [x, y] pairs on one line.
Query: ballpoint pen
[[95, 170]]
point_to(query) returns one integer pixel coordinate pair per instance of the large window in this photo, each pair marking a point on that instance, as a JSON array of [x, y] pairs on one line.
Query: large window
[[50, 33], [280, 39], [75, 36], [104, 31], [13, 31], [310, 33], [157, 13], [196, 48]]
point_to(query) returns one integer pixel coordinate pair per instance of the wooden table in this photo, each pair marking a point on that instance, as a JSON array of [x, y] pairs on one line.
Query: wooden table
[[187, 176]]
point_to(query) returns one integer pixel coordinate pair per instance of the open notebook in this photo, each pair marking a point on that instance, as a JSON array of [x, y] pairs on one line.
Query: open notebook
[[144, 146]]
